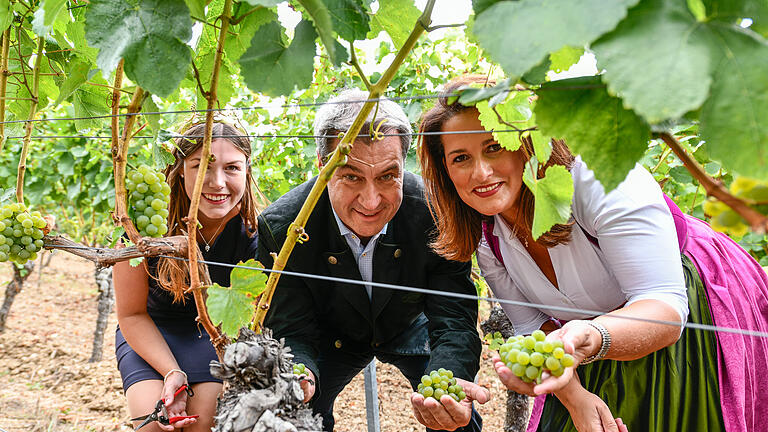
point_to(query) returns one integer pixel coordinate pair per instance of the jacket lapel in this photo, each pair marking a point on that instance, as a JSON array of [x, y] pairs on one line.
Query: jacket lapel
[[387, 262]]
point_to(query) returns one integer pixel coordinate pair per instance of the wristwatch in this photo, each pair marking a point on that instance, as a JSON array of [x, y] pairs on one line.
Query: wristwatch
[[604, 347]]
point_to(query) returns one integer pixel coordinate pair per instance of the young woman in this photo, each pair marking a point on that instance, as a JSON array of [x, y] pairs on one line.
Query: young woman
[[629, 253], [159, 345]]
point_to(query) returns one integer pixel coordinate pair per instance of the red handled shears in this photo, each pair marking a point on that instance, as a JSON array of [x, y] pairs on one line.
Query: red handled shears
[[161, 415]]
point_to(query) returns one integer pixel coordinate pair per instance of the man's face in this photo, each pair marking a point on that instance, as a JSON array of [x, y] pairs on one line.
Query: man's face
[[367, 191]]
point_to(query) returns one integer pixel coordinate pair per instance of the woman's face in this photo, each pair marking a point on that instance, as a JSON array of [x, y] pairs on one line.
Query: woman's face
[[224, 183], [487, 177]]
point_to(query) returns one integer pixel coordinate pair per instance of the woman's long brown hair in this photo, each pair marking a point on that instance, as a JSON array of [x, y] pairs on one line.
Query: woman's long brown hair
[[172, 274], [459, 226]]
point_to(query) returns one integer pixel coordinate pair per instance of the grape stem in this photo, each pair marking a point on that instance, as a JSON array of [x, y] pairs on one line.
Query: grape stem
[[217, 338], [4, 82], [715, 188], [29, 124]]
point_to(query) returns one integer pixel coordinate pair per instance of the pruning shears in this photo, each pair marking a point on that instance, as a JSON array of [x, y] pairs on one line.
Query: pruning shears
[[161, 415]]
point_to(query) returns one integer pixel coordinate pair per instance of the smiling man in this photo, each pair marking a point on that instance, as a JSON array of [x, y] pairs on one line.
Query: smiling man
[[372, 225]]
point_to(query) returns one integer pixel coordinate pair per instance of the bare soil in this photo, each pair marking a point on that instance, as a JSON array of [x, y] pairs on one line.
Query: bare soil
[[47, 384]]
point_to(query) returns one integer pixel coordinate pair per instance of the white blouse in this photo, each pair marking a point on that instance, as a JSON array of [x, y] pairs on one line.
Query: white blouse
[[638, 257]]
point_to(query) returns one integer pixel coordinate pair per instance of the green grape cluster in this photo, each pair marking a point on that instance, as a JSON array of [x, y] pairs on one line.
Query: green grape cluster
[[21, 233], [724, 219], [149, 195], [528, 356], [299, 369], [439, 383]]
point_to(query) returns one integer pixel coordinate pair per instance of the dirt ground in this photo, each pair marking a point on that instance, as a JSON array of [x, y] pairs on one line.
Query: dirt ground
[[47, 384]]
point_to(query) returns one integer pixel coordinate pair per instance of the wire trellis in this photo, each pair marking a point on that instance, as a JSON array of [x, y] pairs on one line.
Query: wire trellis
[[380, 285]]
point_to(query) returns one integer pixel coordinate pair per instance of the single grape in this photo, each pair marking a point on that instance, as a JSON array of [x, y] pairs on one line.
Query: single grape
[[552, 363], [532, 372], [538, 335], [537, 359], [567, 360]]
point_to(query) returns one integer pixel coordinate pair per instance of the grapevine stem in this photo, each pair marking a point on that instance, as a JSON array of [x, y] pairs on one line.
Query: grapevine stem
[[4, 51], [354, 62], [755, 219], [338, 158], [218, 340], [29, 125], [120, 153]]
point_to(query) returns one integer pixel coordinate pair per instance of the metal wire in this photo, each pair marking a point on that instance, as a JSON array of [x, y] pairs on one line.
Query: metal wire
[[275, 136], [292, 105], [588, 312]]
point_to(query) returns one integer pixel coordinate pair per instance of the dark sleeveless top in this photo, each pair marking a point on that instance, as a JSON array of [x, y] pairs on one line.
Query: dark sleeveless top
[[231, 246]]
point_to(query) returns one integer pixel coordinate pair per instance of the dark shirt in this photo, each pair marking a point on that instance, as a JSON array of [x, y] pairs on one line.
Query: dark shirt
[[231, 246]]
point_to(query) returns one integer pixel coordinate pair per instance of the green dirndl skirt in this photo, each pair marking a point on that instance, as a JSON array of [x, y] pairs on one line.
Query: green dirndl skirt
[[674, 389]]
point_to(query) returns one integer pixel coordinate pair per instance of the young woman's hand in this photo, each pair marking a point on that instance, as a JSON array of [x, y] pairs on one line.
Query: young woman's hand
[[581, 340], [448, 414], [175, 405]]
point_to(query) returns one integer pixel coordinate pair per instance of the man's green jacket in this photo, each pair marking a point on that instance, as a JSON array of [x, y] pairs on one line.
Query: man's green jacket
[[314, 315]]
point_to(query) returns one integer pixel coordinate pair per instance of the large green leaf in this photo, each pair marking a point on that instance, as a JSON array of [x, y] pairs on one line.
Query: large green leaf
[[271, 67], [609, 137], [52, 9], [150, 35], [733, 119], [397, 18], [321, 18], [233, 307], [562, 59], [553, 194], [668, 71], [518, 35], [241, 35], [349, 18]]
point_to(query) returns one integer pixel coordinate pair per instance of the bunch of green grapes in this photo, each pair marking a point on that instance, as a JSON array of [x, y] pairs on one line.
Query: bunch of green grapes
[[21, 233], [439, 383], [299, 369], [528, 356], [724, 219], [148, 198]]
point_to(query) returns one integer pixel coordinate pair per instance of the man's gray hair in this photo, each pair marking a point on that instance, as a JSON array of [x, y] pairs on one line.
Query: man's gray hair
[[336, 116]]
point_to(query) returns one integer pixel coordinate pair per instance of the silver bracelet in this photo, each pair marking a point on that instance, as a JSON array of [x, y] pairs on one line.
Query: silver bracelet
[[606, 343]]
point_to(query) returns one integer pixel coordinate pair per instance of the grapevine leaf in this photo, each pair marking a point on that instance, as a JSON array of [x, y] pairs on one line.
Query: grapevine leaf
[[524, 42], [349, 18], [470, 96], [542, 146], [562, 59], [509, 113], [90, 101], [239, 40], [733, 11], [196, 8], [76, 33], [271, 67], [152, 119], [7, 194], [478, 6], [6, 14], [78, 73], [553, 195], [247, 279], [52, 9], [321, 18], [396, 18], [226, 88], [150, 35], [609, 138], [514, 110], [733, 117], [233, 307], [673, 57], [698, 9]]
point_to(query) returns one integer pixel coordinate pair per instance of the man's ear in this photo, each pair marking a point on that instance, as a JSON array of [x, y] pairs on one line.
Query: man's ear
[[319, 160]]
